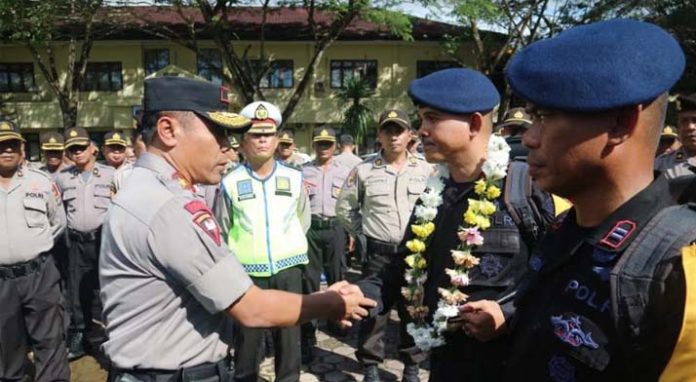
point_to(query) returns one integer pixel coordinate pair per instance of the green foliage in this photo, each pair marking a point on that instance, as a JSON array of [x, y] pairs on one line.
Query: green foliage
[[358, 118]]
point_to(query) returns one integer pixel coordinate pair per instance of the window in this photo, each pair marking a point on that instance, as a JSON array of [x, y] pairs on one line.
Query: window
[[423, 68], [344, 70], [210, 65], [278, 76], [17, 77], [155, 59], [103, 76]]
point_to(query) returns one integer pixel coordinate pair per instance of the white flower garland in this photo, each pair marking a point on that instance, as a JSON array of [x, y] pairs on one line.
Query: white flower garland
[[429, 335]]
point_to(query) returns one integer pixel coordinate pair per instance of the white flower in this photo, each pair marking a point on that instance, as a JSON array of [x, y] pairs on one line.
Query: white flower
[[494, 172], [498, 144], [410, 274], [435, 184], [447, 310], [426, 213], [431, 199]]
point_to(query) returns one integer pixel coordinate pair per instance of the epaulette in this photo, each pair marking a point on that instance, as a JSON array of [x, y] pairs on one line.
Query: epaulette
[[38, 171]]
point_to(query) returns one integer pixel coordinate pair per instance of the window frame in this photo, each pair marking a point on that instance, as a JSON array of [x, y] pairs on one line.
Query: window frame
[[22, 69], [342, 68], [156, 51], [274, 65], [199, 67], [97, 70]]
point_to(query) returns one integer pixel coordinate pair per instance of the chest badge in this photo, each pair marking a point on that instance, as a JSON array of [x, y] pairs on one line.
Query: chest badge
[[570, 331], [283, 186], [490, 266], [245, 190]]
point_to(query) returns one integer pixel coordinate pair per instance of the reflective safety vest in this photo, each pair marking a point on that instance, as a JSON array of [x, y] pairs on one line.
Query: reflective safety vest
[[265, 233]]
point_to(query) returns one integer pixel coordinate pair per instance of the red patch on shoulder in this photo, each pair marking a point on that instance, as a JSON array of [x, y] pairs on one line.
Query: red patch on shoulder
[[204, 219]]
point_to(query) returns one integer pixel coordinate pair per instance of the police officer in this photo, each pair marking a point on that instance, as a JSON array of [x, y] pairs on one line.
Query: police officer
[[264, 212], [168, 279], [32, 305], [515, 122], [286, 149], [668, 141], [347, 156], [686, 126], [86, 191], [114, 149], [52, 145], [605, 299], [376, 201], [323, 179]]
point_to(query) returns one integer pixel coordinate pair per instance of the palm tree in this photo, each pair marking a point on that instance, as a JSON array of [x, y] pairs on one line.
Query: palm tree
[[358, 118]]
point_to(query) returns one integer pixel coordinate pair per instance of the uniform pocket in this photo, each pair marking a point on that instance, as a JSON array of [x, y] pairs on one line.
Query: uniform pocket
[[336, 187], [102, 197], [69, 194], [500, 261], [35, 212]]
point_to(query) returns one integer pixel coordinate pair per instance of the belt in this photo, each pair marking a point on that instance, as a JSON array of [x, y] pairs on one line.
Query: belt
[[379, 246], [208, 372], [23, 269], [321, 222], [84, 236]]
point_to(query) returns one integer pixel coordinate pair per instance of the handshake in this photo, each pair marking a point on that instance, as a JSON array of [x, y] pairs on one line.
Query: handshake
[[353, 304]]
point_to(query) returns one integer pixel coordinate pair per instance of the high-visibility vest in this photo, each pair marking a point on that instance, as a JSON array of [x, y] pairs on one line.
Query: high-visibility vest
[[266, 234]]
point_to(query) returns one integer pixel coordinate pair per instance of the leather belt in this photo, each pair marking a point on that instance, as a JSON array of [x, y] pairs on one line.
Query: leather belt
[[321, 222], [383, 247], [83, 237], [208, 372], [23, 269]]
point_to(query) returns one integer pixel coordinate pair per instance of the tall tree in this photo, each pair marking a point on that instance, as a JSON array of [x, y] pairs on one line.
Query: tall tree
[[358, 118], [38, 25], [326, 20]]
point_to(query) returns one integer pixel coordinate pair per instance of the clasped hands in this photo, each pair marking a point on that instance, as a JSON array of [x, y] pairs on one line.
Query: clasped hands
[[356, 305]]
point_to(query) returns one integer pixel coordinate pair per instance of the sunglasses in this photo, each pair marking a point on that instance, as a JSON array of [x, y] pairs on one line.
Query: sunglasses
[[76, 148]]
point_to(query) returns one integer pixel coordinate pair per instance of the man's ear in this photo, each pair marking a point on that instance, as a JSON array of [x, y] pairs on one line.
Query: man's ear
[[625, 125], [476, 124], [167, 131]]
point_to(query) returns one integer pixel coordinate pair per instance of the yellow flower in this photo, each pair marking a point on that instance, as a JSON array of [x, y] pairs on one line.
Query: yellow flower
[[474, 205], [482, 222], [416, 261], [423, 230], [470, 216], [492, 192], [480, 187], [429, 227], [415, 245], [487, 208]]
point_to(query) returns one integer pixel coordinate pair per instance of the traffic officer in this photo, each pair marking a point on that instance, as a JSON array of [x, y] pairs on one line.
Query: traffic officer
[[168, 280], [686, 126], [114, 149], [264, 212], [668, 141], [323, 179], [605, 298], [376, 201], [515, 122], [347, 157], [287, 149], [33, 313], [232, 155], [86, 191], [52, 145]]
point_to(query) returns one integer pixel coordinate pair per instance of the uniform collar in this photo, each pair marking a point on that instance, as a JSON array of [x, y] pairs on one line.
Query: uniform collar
[[379, 160], [165, 170]]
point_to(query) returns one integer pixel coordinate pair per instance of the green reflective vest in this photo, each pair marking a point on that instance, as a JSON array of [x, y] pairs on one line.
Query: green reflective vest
[[266, 234]]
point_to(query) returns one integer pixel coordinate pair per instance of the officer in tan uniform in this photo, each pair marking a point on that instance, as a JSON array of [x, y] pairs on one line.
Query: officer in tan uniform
[[52, 145], [686, 128], [86, 190], [286, 149], [32, 312], [376, 201], [169, 281]]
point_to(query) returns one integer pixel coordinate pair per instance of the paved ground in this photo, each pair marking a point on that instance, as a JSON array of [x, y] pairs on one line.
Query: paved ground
[[334, 359]]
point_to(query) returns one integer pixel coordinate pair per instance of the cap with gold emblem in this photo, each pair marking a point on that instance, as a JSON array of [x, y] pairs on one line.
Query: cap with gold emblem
[[9, 131], [668, 132], [517, 116], [207, 100], [286, 136], [393, 116], [324, 134], [115, 138], [265, 117], [52, 141], [76, 136]]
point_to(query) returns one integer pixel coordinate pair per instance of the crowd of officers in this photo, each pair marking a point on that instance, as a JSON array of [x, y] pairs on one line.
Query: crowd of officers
[[168, 262]]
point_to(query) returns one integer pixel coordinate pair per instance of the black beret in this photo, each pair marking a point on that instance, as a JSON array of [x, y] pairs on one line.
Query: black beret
[[456, 91], [598, 66]]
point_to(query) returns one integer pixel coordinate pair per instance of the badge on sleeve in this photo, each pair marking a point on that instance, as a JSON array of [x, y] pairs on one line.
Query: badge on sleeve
[[352, 177], [203, 218]]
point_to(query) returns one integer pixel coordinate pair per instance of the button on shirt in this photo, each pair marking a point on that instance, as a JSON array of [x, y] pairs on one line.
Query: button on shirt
[[324, 186], [565, 327], [166, 274], [377, 200], [86, 196], [31, 216]]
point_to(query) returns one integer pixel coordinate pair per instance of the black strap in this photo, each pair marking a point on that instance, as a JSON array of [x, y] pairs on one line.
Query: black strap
[[518, 200]]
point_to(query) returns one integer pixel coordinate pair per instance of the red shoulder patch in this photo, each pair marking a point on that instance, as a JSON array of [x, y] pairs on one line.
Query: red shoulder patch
[[204, 219]]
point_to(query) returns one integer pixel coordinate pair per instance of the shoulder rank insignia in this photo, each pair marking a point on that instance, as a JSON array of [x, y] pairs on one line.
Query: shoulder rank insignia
[[618, 234], [203, 218]]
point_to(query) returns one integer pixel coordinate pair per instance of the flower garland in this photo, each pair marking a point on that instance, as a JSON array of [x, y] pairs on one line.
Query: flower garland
[[476, 218]]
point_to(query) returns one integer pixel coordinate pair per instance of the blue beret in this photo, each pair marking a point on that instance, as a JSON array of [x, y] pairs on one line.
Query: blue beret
[[456, 91], [597, 67]]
